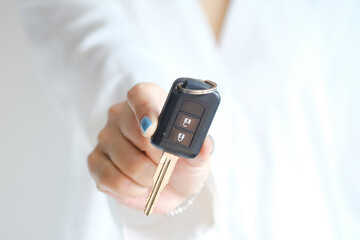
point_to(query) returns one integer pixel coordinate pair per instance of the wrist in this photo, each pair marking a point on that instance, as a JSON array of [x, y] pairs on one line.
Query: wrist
[[184, 205]]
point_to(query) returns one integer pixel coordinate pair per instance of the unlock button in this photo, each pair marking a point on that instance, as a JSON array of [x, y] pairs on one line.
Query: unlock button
[[180, 137]]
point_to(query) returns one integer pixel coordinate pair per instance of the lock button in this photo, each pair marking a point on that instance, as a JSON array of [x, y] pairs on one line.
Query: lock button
[[180, 137]]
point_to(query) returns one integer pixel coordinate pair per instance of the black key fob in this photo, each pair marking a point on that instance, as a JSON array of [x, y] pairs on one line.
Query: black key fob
[[186, 117]]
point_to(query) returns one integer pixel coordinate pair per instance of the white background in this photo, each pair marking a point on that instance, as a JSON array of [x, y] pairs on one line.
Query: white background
[[34, 150]]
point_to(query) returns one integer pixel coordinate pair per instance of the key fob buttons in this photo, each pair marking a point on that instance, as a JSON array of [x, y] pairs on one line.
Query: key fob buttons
[[186, 123], [192, 108], [180, 137]]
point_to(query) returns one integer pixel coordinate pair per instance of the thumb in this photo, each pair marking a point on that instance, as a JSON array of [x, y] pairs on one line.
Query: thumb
[[146, 101], [205, 152]]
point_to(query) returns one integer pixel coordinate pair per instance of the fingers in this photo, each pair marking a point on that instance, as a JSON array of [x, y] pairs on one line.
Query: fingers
[[109, 178], [129, 128], [126, 157], [146, 101], [122, 164]]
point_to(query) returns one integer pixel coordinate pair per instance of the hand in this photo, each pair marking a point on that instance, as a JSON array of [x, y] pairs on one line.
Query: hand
[[124, 161]]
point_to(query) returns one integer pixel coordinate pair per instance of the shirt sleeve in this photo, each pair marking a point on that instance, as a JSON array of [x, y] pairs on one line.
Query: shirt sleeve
[[91, 53]]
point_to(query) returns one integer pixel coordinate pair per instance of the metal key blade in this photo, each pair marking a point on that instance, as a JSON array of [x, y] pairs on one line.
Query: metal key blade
[[161, 178]]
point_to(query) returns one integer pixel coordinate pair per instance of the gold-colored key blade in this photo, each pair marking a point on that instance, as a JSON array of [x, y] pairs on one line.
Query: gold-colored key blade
[[161, 178]]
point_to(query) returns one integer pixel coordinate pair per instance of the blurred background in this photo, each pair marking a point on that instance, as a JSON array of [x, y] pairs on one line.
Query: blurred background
[[35, 145], [35, 151]]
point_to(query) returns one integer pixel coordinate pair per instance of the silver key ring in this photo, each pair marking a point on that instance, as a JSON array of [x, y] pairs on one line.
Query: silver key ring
[[198, 92]]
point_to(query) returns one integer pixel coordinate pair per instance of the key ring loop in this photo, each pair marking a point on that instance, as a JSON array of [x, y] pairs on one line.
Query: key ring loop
[[198, 91]]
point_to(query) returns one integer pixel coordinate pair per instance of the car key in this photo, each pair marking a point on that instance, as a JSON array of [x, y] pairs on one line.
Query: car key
[[183, 125]]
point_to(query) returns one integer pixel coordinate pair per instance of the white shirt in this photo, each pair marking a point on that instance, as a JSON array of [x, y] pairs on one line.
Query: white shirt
[[286, 157]]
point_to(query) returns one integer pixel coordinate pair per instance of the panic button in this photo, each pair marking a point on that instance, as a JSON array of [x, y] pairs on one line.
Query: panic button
[[180, 137], [187, 122]]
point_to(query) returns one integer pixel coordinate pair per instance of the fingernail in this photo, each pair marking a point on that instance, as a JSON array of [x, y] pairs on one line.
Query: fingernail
[[145, 123]]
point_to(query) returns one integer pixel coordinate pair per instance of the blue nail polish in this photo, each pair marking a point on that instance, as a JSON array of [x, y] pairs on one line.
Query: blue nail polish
[[145, 124]]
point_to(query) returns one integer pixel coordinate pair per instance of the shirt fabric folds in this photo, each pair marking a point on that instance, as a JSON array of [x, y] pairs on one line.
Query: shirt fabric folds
[[286, 157]]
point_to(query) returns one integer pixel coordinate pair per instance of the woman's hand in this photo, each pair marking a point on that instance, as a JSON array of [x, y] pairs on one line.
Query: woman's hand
[[124, 161]]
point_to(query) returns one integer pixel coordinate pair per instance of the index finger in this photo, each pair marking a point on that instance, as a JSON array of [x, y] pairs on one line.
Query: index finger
[[146, 101]]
